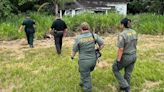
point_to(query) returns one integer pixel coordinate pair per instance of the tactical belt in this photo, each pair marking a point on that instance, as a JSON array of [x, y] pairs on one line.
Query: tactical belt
[[129, 53]]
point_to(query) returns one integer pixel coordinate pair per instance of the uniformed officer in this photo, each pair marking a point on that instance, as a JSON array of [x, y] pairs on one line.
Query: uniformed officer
[[59, 28], [126, 55], [28, 23], [84, 44]]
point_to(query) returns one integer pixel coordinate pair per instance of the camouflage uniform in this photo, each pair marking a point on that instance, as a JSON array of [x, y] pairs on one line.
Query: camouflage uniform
[[84, 44], [128, 41]]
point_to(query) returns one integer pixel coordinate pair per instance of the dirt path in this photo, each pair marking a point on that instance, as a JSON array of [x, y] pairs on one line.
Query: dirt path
[[18, 47]]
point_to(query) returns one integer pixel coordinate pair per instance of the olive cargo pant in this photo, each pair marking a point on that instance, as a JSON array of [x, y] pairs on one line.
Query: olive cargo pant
[[58, 36], [85, 68], [127, 62]]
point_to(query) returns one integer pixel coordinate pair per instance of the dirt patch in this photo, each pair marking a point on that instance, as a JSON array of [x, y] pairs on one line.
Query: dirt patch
[[18, 47], [114, 89], [9, 89], [147, 42], [160, 57], [160, 54], [149, 85], [104, 64], [68, 42], [12, 86]]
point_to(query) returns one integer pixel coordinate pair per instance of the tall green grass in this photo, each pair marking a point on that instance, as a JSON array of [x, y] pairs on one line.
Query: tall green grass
[[10, 26], [142, 23], [98, 22], [148, 23]]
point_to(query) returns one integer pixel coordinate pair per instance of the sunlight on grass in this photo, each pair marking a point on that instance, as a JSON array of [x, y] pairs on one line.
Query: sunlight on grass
[[42, 70]]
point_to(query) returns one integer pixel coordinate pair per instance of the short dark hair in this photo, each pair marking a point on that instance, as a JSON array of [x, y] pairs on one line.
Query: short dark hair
[[125, 22]]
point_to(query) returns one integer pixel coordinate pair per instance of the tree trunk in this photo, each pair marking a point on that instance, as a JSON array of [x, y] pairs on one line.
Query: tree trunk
[[56, 9], [55, 6], [61, 15]]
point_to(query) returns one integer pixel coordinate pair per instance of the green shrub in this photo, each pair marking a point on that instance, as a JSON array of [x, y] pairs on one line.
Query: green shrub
[[142, 23], [148, 23]]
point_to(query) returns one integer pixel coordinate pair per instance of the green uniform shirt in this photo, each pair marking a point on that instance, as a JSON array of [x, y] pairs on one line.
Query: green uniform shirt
[[85, 45], [128, 41], [29, 25]]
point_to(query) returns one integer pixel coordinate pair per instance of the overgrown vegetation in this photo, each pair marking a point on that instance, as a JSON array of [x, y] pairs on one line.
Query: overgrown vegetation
[[142, 6], [142, 23], [9, 27], [8, 7]]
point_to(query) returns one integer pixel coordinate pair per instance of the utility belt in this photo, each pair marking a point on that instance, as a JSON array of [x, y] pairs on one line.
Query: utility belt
[[56, 31], [30, 30], [59, 30], [134, 53], [53, 32]]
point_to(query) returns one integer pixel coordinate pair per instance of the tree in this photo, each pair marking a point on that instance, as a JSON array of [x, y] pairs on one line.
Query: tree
[[140, 6], [59, 4], [5, 8]]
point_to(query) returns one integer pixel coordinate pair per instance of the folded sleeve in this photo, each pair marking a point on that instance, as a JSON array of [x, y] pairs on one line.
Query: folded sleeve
[[99, 40], [121, 41], [76, 45]]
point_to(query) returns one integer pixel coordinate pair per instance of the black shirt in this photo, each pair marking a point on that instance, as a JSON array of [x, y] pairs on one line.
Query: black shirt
[[59, 25]]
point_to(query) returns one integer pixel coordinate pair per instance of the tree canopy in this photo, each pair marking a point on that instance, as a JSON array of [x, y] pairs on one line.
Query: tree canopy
[[8, 7], [141, 6]]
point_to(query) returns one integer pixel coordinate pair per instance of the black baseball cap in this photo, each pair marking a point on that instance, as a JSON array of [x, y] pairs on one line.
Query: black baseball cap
[[125, 22]]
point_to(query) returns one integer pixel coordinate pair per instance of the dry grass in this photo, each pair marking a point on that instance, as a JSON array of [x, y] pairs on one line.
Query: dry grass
[[149, 85], [14, 58], [19, 47]]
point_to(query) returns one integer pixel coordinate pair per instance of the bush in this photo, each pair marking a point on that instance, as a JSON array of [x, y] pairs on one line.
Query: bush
[[148, 23], [98, 22], [9, 27], [142, 23]]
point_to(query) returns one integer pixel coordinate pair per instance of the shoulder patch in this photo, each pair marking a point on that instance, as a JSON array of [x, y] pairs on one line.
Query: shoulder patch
[[134, 32], [86, 39], [120, 38], [129, 33]]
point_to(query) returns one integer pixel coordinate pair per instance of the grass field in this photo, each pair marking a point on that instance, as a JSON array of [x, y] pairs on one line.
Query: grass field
[[42, 70]]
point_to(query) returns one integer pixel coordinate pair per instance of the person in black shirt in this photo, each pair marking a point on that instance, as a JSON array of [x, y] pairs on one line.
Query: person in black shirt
[[59, 28], [28, 25]]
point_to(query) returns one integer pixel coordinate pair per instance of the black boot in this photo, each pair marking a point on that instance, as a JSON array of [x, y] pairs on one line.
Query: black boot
[[126, 89], [31, 46], [81, 84]]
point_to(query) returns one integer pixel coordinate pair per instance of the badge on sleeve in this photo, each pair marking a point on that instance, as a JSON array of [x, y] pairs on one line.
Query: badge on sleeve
[[120, 38]]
